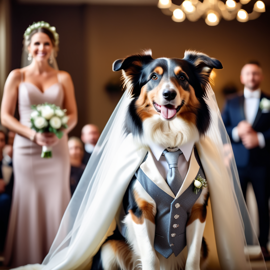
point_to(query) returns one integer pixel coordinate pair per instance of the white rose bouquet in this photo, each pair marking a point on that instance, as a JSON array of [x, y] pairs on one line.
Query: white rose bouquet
[[48, 118]]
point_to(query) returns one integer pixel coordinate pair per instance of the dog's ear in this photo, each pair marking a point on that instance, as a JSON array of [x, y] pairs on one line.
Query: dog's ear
[[201, 60], [203, 64], [132, 67]]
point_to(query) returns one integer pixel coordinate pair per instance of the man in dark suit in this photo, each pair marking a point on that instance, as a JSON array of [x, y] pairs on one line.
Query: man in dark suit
[[247, 120], [90, 135]]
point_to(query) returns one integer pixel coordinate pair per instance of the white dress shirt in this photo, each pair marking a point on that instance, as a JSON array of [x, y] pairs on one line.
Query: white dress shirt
[[183, 160], [251, 105]]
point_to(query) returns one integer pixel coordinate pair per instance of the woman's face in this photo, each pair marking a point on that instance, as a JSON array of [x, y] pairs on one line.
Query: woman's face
[[75, 150], [40, 47]]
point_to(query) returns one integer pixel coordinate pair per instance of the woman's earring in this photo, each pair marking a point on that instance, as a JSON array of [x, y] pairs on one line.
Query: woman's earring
[[29, 57], [51, 58]]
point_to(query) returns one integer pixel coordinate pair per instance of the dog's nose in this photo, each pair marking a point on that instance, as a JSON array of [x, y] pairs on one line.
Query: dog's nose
[[169, 94]]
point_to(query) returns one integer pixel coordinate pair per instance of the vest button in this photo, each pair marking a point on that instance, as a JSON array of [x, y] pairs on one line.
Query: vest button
[[175, 226], [176, 216], [177, 205], [173, 234]]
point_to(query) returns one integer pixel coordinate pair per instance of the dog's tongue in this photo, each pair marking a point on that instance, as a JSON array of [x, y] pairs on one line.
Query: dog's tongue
[[167, 113]]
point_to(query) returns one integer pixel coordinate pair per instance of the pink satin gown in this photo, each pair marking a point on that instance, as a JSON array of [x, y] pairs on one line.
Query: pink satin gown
[[41, 186]]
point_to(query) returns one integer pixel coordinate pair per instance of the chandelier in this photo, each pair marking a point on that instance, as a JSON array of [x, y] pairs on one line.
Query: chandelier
[[212, 10]]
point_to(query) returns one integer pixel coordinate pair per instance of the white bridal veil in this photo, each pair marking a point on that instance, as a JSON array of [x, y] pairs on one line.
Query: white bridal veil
[[89, 218]]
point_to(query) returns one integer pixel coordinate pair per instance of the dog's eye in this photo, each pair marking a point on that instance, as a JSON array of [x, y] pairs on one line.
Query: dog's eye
[[182, 78], [154, 77]]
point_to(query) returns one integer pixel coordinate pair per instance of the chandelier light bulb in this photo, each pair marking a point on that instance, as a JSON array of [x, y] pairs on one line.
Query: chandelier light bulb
[[242, 16], [211, 10], [178, 15], [212, 18], [188, 6], [230, 4], [164, 3], [244, 2], [259, 6]]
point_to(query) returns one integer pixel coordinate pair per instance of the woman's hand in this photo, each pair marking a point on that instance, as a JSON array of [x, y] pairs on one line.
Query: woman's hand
[[46, 139]]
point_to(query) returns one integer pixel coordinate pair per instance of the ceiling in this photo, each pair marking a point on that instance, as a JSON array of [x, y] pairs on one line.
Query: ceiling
[[104, 2]]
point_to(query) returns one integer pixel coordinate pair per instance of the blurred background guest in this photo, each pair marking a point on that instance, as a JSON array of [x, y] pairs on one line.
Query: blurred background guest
[[247, 120], [90, 134], [76, 153], [6, 185], [7, 154], [41, 186], [11, 136], [8, 149]]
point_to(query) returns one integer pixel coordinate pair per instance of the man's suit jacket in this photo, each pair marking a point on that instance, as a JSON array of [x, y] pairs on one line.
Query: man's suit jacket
[[233, 114], [86, 157]]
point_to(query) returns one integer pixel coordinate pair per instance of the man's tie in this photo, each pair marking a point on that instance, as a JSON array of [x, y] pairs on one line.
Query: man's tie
[[174, 178]]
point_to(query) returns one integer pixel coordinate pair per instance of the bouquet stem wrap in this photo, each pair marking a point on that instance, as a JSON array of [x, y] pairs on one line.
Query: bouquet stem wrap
[[46, 152]]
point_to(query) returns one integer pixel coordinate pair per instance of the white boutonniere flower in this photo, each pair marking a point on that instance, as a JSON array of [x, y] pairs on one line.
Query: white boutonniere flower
[[199, 183], [265, 105]]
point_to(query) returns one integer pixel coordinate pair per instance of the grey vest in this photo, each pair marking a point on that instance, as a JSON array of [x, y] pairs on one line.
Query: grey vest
[[171, 217]]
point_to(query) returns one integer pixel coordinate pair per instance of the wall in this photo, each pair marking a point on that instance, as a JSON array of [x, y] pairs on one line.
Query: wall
[[69, 23], [93, 36], [114, 32], [4, 42]]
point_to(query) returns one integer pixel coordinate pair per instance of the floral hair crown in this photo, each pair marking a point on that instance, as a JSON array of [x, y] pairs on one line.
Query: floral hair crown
[[42, 24]]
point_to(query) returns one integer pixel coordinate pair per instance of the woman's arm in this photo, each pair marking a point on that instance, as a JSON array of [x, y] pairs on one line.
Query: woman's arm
[[69, 100], [9, 103]]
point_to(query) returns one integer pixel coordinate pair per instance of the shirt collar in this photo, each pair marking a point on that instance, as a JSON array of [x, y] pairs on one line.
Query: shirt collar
[[157, 149], [253, 94]]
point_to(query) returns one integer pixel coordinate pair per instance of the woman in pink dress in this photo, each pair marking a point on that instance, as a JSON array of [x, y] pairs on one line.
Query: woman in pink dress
[[41, 188]]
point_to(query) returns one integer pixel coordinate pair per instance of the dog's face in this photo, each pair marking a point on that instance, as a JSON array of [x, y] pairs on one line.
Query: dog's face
[[168, 91], [167, 87]]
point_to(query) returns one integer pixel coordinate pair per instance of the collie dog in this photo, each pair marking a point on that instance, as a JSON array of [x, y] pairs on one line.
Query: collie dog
[[169, 109]]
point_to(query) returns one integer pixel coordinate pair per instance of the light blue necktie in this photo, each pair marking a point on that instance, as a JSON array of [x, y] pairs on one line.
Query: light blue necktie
[[174, 178]]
